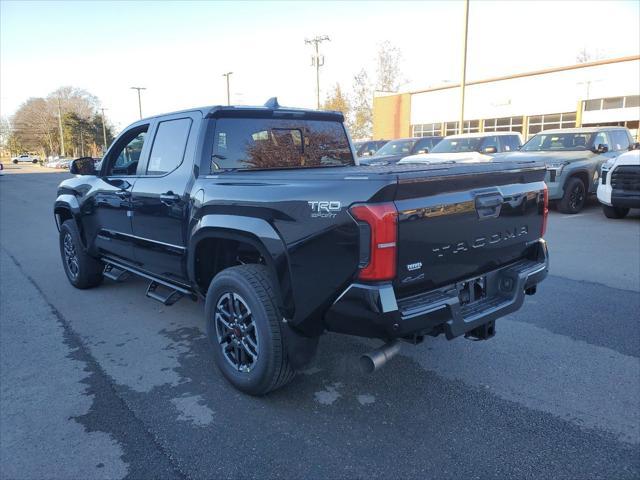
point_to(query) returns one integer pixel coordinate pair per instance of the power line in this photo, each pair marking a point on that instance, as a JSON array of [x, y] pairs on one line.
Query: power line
[[317, 60]]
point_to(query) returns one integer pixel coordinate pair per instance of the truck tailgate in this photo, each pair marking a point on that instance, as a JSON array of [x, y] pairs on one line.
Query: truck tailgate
[[465, 222]]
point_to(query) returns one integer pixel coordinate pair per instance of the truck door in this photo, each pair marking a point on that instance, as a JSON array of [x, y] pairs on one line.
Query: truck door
[[107, 222], [161, 197]]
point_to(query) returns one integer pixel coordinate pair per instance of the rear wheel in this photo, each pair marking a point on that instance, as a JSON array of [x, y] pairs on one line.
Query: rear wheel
[[15, 162], [34, 161], [574, 198], [246, 330], [614, 212], [83, 271]]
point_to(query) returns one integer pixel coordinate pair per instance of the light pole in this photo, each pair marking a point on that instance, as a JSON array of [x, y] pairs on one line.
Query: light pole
[[60, 127], [464, 65], [317, 61], [139, 100], [104, 131], [228, 74]]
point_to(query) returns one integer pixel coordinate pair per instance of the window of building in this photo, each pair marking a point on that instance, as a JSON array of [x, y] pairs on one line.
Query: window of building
[[505, 124], [591, 105], [614, 102], [451, 128], [427, 130], [169, 146], [632, 101], [471, 126], [539, 123]]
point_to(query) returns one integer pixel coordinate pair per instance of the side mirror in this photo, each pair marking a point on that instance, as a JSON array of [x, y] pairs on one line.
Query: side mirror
[[490, 149], [423, 150], [602, 148], [635, 146], [366, 154], [83, 166]]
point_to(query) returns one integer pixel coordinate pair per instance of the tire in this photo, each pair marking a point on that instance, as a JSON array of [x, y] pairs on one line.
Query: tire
[[83, 271], [614, 212], [258, 370], [574, 198], [34, 161], [15, 162]]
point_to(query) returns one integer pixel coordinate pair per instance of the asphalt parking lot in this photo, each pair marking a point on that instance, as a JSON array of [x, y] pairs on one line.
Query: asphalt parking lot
[[106, 383]]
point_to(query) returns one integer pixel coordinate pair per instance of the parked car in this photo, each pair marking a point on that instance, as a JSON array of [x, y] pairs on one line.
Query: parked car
[[368, 148], [574, 157], [264, 214], [1, 169], [469, 147], [619, 187], [25, 158], [393, 151]]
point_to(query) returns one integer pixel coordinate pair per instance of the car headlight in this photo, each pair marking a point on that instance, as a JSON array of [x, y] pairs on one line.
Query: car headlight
[[608, 164], [556, 166]]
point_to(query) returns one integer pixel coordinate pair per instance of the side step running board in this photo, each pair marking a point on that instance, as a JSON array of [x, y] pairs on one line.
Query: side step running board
[[163, 294], [158, 289], [114, 273]]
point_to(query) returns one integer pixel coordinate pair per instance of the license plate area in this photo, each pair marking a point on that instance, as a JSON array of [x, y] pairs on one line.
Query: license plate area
[[471, 291]]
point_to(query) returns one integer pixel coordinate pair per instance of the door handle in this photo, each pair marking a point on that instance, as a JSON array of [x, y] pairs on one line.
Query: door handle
[[123, 193], [169, 198]]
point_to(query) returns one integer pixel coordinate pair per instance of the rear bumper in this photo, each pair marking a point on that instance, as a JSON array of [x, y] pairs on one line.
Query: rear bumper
[[374, 310]]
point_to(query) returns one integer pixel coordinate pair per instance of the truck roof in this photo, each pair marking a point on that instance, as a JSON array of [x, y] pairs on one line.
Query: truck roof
[[269, 110], [481, 134]]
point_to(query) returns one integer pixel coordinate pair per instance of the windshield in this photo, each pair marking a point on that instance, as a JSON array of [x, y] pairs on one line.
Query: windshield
[[396, 147], [556, 142], [455, 145]]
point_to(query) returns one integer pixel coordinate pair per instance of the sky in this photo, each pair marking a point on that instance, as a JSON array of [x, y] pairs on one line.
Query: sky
[[179, 50]]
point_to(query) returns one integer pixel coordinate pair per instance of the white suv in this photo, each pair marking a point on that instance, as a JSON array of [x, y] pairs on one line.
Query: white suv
[[25, 158], [619, 185]]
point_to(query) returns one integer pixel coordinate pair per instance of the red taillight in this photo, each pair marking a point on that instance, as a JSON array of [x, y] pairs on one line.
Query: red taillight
[[545, 210], [382, 219]]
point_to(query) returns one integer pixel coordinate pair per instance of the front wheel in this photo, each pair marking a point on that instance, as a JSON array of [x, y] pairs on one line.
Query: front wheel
[[15, 162], [614, 212], [246, 330], [574, 198], [83, 271]]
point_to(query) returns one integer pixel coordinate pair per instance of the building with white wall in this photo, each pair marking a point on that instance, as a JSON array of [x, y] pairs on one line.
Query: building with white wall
[[604, 92]]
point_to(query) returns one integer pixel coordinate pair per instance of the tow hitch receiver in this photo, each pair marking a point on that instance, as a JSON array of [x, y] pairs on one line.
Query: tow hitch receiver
[[483, 332]]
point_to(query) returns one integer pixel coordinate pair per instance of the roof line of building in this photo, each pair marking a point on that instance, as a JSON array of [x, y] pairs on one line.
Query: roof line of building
[[607, 61]]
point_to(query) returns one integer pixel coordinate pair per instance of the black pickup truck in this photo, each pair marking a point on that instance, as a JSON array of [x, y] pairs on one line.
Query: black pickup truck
[[264, 213]]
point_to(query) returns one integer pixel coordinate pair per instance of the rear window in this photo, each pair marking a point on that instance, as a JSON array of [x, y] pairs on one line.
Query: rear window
[[247, 143]]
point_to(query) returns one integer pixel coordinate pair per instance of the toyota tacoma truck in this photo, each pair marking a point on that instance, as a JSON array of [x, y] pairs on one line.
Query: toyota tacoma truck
[[574, 157], [264, 213]]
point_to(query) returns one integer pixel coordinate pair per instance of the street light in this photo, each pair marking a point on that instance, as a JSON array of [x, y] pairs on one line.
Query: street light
[[139, 100], [464, 65], [228, 74]]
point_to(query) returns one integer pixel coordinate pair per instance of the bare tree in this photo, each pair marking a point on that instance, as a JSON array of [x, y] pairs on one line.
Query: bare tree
[[388, 67], [360, 122]]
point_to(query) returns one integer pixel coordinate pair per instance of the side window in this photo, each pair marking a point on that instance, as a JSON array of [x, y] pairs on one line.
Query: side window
[[601, 139], [169, 146], [510, 143], [124, 159], [490, 142], [619, 140]]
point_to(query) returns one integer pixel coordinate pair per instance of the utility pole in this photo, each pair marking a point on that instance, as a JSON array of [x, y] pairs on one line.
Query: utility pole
[[60, 127], [464, 65], [317, 61], [228, 74], [139, 101], [104, 132]]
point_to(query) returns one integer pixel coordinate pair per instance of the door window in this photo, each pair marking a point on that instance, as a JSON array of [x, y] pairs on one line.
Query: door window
[[490, 142], [601, 139], [169, 146], [510, 143], [124, 160], [619, 140]]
